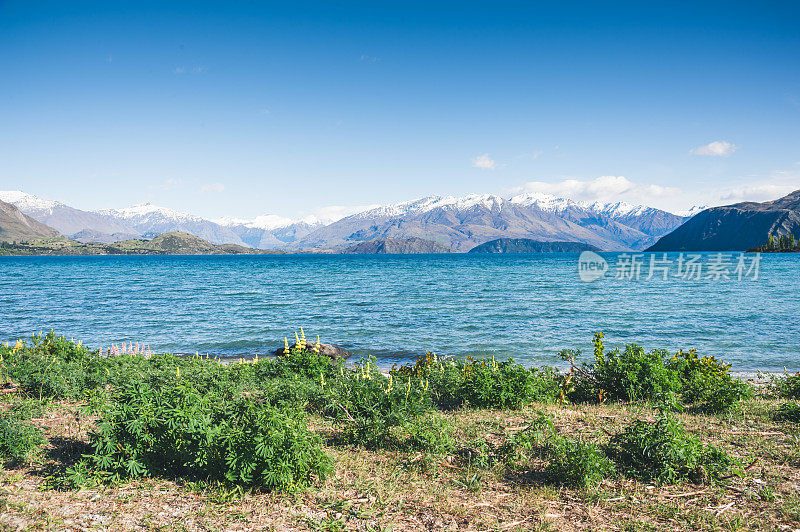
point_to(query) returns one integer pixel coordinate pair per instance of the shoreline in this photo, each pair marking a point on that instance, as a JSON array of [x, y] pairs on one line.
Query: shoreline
[[116, 441]]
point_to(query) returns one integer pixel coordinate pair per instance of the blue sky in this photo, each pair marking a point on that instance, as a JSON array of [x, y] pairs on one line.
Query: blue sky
[[244, 108]]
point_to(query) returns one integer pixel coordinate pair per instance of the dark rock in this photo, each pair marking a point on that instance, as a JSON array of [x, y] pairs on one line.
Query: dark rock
[[334, 352]]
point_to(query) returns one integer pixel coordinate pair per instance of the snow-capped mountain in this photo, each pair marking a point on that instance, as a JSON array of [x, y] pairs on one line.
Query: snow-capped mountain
[[270, 231], [459, 222], [151, 220], [67, 220], [23, 200], [464, 222]]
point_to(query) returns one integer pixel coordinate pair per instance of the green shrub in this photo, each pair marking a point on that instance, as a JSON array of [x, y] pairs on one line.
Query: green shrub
[[566, 460], [664, 452], [528, 444], [371, 406], [177, 431], [298, 363], [431, 434], [484, 383], [301, 393], [52, 366], [577, 463], [19, 441], [633, 374], [787, 386], [28, 408], [788, 411], [707, 381], [656, 377]]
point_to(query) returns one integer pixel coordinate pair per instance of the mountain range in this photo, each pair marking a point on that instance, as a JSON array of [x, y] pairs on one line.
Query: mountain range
[[740, 226], [459, 223], [17, 226]]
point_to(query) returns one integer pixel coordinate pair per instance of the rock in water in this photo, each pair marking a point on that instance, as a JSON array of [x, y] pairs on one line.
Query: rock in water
[[331, 351]]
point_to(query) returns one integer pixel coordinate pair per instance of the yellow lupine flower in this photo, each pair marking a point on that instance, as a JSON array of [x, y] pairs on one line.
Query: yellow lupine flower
[[316, 347], [296, 340], [285, 346]]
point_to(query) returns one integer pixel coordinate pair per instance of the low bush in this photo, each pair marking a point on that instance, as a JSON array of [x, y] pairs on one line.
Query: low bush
[[707, 382], [371, 407], [483, 383], [629, 375], [53, 367], [655, 377], [578, 463], [664, 452], [177, 431], [529, 443], [28, 408], [787, 386], [430, 434], [787, 411], [19, 440], [562, 459]]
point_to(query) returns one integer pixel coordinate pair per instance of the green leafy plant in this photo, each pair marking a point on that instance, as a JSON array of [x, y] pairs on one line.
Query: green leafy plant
[[707, 381], [371, 406], [431, 434], [565, 460], [577, 463], [19, 440], [787, 386], [664, 452], [655, 377], [176, 431], [483, 383], [787, 411]]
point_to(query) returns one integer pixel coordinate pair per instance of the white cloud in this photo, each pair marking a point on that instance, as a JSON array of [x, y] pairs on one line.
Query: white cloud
[[718, 148], [605, 188], [212, 187], [484, 162], [762, 192]]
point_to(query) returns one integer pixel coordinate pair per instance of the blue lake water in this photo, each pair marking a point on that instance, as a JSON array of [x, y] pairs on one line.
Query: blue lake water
[[395, 307]]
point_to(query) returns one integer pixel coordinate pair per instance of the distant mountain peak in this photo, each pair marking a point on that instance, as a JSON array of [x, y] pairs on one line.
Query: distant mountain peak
[[147, 209], [691, 211], [24, 201]]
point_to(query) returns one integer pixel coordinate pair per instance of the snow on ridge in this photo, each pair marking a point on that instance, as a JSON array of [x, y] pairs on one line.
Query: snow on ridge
[[266, 222], [619, 208], [551, 203], [148, 210], [544, 201], [429, 203], [691, 211], [27, 202]]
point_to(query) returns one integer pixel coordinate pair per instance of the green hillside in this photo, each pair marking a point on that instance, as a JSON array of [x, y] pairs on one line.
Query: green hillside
[[16, 226], [175, 243]]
